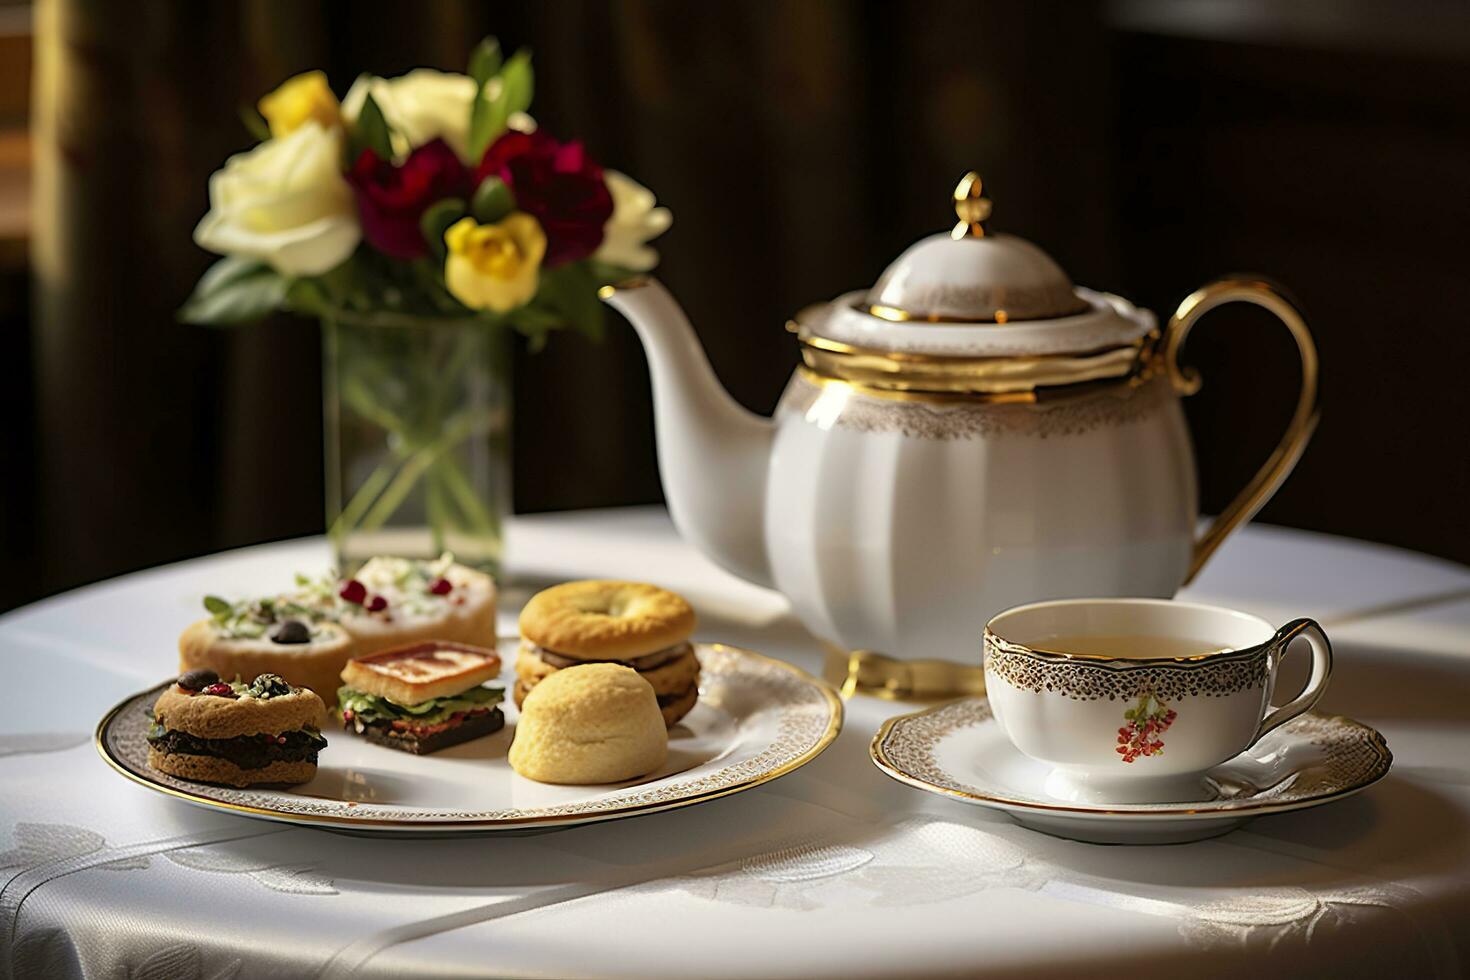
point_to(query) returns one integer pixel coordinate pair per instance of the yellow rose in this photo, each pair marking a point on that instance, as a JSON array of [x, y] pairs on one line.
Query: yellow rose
[[494, 267], [298, 99]]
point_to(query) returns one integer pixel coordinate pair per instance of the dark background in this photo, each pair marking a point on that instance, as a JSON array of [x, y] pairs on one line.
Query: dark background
[[1148, 146]]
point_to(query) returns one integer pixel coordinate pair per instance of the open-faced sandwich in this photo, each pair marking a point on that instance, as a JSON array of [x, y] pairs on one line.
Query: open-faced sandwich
[[422, 697], [259, 636], [392, 602], [239, 734]]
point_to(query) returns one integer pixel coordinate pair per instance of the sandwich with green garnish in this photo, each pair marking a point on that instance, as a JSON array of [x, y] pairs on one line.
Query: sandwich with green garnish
[[422, 697]]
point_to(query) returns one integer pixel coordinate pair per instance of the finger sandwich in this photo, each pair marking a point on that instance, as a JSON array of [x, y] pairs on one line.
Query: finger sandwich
[[422, 697]]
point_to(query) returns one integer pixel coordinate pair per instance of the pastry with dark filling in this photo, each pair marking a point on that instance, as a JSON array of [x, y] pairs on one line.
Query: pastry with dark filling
[[422, 697], [238, 734], [631, 624]]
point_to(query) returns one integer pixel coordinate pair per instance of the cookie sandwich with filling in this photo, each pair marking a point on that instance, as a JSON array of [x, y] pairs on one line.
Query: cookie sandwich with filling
[[631, 624]]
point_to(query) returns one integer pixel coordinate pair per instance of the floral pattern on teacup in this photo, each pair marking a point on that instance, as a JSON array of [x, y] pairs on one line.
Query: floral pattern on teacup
[[1147, 720]]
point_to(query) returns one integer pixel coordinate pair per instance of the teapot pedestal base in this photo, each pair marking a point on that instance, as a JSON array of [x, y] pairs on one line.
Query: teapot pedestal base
[[881, 676]]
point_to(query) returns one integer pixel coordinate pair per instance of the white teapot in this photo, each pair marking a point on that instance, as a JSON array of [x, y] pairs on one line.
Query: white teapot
[[971, 433]]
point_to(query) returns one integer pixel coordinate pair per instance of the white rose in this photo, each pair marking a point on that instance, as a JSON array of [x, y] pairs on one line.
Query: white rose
[[418, 107], [634, 221], [284, 202]]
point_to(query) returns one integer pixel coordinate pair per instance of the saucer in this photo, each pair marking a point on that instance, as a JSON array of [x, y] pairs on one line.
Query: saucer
[[958, 750]]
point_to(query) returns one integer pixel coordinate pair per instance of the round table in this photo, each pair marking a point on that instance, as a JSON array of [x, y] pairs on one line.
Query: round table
[[835, 870]]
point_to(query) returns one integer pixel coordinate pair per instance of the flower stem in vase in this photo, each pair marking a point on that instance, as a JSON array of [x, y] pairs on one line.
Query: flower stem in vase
[[417, 427]]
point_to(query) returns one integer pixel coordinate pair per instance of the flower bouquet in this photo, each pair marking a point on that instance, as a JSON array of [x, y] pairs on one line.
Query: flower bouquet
[[422, 219]]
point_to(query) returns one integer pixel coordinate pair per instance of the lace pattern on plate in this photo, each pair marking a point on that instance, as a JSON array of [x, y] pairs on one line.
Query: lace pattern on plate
[[803, 710]]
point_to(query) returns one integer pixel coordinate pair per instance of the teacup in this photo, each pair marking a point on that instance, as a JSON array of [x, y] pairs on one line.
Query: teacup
[[1132, 700]]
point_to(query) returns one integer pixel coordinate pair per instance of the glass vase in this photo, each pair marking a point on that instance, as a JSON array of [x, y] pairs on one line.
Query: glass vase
[[417, 438]]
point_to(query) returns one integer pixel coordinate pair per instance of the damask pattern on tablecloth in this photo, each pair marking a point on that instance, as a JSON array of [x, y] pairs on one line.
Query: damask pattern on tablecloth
[[293, 879], [923, 861], [180, 962], [40, 843]]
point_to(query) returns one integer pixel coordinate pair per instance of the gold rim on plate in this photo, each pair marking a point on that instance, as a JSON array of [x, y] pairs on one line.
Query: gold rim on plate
[[408, 826]]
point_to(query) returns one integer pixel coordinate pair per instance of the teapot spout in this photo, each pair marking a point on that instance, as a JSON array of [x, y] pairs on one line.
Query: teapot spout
[[713, 454]]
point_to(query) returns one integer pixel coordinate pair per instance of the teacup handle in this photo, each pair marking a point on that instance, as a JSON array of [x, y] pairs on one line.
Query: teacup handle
[[1279, 464], [1316, 684]]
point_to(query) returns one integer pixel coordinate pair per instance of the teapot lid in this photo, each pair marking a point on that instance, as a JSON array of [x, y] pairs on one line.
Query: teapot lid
[[970, 313], [970, 275]]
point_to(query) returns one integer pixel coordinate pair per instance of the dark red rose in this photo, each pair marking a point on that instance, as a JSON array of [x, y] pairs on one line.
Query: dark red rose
[[391, 200], [559, 185]]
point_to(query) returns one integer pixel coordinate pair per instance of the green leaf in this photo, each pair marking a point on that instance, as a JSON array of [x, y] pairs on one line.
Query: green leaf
[[493, 200], [485, 61], [307, 296], [607, 274], [534, 324], [372, 132], [570, 292], [430, 278], [518, 83], [436, 221], [254, 123], [217, 607], [235, 290], [512, 94]]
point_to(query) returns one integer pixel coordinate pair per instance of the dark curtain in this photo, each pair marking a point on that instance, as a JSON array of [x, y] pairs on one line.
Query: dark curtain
[[801, 146]]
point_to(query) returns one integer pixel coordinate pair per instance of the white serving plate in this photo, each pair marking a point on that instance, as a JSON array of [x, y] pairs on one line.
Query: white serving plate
[[958, 750], [757, 719]]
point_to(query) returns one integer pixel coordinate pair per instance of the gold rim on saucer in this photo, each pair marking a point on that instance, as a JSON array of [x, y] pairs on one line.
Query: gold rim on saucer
[[1357, 757]]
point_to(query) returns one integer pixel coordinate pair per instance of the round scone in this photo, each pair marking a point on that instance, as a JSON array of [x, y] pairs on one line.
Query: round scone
[[631, 624], [208, 730], [307, 654], [593, 723]]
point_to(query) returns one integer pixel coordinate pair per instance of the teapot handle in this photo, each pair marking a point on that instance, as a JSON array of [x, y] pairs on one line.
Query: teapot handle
[[1186, 381]]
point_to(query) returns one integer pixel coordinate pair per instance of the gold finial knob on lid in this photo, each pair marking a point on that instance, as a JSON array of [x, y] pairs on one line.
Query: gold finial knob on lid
[[971, 207]]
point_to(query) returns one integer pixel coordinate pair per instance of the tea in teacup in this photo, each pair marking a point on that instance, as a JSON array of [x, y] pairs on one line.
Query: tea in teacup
[[1132, 700], [1131, 646]]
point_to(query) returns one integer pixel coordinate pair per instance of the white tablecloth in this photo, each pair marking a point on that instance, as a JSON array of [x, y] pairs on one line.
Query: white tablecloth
[[835, 870]]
